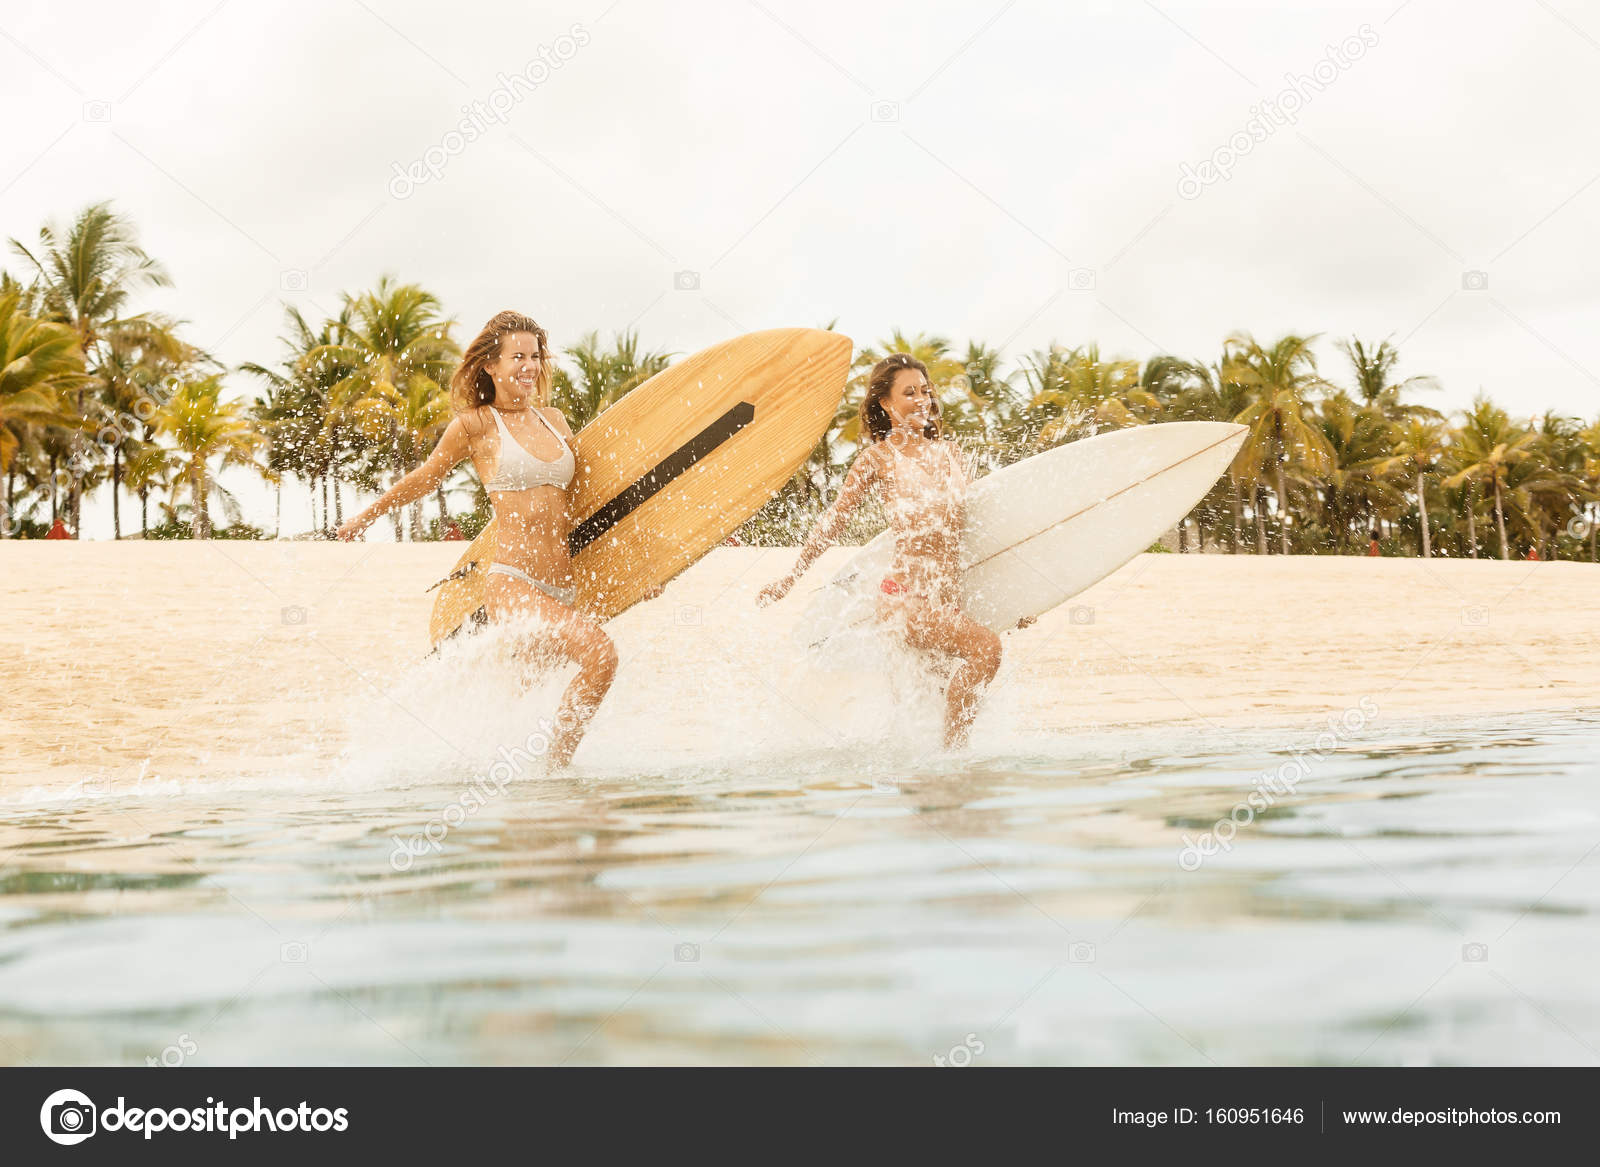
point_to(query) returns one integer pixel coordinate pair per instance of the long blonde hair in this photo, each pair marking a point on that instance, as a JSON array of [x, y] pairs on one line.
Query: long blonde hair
[[472, 386]]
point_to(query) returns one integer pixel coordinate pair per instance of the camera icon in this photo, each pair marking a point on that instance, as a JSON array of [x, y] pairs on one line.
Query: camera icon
[[293, 280], [294, 614], [1475, 953], [1476, 616], [1080, 614], [686, 614], [292, 952], [686, 953], [1475, 281], [1579, 526], [1081, 279], [97, 111], [1080, 952], [885, 111], [67, 1117], [686, 281]]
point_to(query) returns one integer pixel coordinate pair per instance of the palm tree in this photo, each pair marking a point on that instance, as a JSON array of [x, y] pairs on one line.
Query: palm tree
[[394, 347], [39, 361], [1280, 380], [605, 376], [1486, 446], [84, 279], [1590, 474], [413, 418], [149, 469], [135, 363], [1000, 412], [1194, 391], [1420, 445], [202, 426], [308, 437], [1355, 492], [1373, 371], [1074, 391], [1547, 487]]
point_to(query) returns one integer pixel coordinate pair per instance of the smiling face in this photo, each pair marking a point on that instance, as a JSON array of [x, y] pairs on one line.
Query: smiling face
[[516, 371], [909, 402]]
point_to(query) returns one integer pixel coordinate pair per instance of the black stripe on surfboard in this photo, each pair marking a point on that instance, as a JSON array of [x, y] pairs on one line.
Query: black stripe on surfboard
[[674, 465]]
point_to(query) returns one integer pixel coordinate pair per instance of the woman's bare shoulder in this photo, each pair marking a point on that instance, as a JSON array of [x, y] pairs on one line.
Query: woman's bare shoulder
[[476, 421], [555, 417]]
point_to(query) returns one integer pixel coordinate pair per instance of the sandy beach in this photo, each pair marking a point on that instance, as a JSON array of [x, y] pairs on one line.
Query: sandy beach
[[140, 661]]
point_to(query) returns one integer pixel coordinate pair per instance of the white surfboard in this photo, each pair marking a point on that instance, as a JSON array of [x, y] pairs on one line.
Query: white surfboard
[[1042, 530]]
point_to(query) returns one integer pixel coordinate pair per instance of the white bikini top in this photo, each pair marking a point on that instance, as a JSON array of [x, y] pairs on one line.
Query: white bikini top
[[520, 470], [926, 497]]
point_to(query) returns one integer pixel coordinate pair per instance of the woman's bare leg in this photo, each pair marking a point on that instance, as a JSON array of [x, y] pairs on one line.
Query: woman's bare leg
[[566, 635], [953, 632]]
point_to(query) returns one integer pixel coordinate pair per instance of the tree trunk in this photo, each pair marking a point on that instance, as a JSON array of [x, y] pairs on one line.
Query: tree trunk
[[53, 515], [1594, 546], [1472, 525], [1283, 513], [198, 519], [5, 505], [416, 515], [1422, 513], [75, 493], [1183, 535], [338, 503], [444, 511], [1500, 520], [394, 515], [144, 512], [1261, 520], [277, 514], [323, 528], [116, 489], [1238, 518]]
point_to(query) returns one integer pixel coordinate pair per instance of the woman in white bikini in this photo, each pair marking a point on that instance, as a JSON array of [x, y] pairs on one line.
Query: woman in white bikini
[[519, 445], [925, 485]]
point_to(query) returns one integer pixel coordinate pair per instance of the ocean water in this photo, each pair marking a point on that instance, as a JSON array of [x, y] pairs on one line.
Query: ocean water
[[1415, 894]]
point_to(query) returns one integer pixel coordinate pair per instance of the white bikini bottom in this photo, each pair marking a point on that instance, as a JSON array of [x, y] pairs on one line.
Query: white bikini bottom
[[562, 595]]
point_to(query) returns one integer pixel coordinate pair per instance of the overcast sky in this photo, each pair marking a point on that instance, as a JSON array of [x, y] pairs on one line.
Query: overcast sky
[[1013, 172]]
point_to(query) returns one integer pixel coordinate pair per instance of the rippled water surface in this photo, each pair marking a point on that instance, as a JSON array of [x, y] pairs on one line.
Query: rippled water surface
[[1427, 896]]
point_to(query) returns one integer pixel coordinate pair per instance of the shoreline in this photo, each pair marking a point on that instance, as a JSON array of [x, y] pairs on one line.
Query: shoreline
[[212, 660]]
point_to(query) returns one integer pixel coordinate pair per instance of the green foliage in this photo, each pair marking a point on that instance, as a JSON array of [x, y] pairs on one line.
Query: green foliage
[[359, 399]]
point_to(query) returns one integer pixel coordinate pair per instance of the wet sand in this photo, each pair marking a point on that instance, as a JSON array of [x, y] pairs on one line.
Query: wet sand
[[133, 661]]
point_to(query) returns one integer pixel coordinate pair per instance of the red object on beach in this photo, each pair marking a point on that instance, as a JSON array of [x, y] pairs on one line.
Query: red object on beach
[[1533, 553], [732, 541], [1372, 548], [891, 585], [58, 530], [452, 533]]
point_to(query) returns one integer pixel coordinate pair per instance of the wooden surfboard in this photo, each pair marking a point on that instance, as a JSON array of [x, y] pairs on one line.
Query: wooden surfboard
[[666, 473]]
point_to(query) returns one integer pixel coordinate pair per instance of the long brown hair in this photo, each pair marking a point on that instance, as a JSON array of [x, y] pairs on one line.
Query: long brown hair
[[874, 418], [471, 385]]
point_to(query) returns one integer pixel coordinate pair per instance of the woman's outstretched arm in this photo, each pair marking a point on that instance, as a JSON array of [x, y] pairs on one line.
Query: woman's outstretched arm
[[858, 479], [447, 455]]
